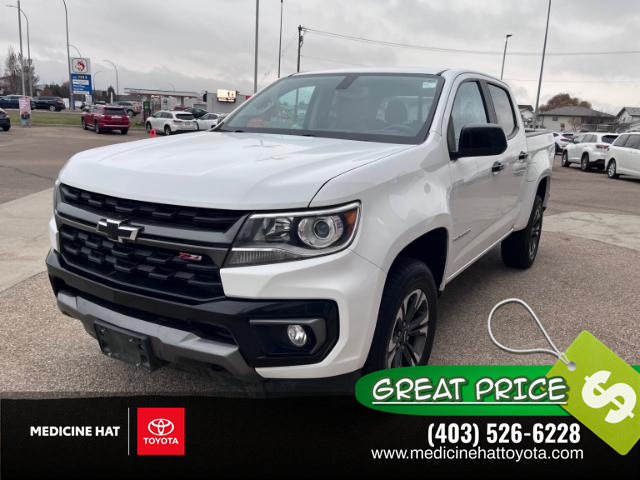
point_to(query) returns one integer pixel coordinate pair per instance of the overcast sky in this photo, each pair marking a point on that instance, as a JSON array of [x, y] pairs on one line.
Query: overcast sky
[[204, 45]]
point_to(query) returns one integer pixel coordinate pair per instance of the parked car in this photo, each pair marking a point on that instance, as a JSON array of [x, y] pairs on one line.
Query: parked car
[[12, 101], [170, 122], [588, 149], [5, 121], [53, 104], [207, 121], [623, 156], [281, 250], [132, 108], [562, 139], [101, 118], [197, 112]]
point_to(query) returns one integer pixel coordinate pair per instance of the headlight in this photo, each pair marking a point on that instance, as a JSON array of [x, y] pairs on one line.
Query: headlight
[[280, 237]]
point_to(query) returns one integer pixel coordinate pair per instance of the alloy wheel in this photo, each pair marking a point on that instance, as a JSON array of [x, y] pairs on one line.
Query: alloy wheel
[[409, 334], [536, 231]]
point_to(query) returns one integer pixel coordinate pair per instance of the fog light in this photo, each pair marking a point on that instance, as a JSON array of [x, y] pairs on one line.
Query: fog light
[[297, 335]]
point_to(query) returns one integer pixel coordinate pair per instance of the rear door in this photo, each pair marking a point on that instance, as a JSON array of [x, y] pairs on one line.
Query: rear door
[[573, 149], [510, 169]]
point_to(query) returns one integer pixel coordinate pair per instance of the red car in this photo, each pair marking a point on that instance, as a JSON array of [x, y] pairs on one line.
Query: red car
[[101, 118]]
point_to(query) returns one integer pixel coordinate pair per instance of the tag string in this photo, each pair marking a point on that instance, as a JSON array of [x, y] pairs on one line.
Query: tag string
[[555, 351]]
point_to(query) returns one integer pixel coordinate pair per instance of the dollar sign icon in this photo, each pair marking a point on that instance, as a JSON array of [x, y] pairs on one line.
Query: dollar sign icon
[[609, 395]]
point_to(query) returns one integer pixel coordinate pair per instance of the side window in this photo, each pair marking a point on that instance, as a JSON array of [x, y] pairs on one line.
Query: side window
[[620, 141], [504, 109], [578, 138], [633, 142], [590, 139], [468, 108]]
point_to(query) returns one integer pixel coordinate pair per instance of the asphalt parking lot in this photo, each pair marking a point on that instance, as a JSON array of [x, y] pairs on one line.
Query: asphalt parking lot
[[585, 278]]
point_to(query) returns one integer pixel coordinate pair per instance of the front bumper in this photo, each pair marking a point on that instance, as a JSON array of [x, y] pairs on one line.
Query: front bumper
[[237, 335]]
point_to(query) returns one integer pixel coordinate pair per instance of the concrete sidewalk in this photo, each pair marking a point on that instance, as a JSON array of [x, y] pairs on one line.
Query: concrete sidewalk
[[24, 240]]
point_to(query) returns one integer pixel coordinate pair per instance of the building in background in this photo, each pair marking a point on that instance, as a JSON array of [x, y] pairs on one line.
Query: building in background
[[576, 119], [223, 100], [628, 118]]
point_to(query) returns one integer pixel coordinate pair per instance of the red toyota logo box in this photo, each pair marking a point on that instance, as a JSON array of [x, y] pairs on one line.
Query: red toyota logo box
[[160, 431]]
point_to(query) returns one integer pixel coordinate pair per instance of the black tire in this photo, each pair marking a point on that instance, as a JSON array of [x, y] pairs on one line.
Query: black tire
[[124, 131], [84, 124], [612, 169], [147, 127], [519, 250], [167, 130], [52, 108], [96, 127], [584, 163], [6, 128], [396, 341], [565, 160]]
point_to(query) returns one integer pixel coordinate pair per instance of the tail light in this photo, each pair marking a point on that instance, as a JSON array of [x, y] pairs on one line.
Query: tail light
[[177, 121], [602, 146]]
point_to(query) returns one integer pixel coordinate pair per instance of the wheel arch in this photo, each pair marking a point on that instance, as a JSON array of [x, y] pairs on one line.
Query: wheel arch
[[431, 248]]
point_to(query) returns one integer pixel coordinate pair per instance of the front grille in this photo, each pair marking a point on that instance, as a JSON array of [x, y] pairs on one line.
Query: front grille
[[170, 215], [152, 270]]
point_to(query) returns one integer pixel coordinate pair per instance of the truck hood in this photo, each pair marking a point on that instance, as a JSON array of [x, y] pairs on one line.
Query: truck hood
[[242, 171]]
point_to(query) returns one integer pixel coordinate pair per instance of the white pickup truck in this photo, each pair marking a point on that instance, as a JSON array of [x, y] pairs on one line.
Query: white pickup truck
[[307, 235]]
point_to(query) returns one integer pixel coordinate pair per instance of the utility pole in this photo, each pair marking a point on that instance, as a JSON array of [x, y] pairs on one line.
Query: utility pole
[[280, 43], [72, 103], [300, 40], [21, 54], [544, 50], [504, 55], [255, 54]]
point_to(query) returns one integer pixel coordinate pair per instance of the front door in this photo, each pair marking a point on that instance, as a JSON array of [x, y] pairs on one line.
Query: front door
[[476, 205]]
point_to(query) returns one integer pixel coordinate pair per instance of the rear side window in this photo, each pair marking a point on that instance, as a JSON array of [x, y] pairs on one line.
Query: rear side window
[[504, 109], [633, 142], [468, 108], [609, 138]]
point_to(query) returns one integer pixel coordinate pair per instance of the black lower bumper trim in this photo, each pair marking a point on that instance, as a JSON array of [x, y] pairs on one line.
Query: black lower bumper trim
[[225, 321]]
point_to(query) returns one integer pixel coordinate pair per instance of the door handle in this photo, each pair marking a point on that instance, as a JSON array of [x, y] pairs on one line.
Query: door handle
[[497, 167], [523, 156]]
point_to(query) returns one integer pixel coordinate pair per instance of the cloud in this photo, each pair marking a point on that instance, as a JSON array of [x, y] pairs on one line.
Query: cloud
[[204, 45]]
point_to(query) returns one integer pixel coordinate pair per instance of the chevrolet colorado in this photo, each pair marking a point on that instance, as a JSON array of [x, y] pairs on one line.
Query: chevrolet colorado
[[308, 234]]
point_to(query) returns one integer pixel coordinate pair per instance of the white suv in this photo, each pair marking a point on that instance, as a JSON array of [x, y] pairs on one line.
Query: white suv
[[169, 122], [623, 157], [588, 149]]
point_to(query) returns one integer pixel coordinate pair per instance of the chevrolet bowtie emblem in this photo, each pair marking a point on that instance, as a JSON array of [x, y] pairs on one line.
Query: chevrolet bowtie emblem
[[117, 231]]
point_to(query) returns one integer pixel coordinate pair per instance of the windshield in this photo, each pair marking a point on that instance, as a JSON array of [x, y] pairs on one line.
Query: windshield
[[394, 108]]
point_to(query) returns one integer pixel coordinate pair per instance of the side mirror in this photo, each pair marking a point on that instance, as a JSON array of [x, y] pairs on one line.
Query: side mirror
[[481, 140]]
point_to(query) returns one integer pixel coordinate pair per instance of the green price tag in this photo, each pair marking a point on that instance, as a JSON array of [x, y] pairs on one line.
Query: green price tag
[[603, 391]]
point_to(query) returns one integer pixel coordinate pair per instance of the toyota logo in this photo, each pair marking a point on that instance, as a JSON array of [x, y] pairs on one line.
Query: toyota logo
[[160, 426]]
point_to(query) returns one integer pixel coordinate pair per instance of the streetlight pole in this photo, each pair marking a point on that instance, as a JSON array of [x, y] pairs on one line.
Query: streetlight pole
[[544, 50], [21, 54], [255, 54], [504, 55], [72, 103], [76, 49], [280, 43], [95, 87], [117, 80], [28, 48], [300, 41]]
